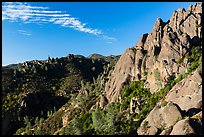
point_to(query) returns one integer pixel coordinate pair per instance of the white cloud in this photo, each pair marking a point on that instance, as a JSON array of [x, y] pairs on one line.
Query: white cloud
[[109, 42], [23, 32], [109, 38], [18, 11]]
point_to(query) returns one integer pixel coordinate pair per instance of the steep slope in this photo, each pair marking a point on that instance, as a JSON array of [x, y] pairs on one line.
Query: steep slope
[[157, 56]]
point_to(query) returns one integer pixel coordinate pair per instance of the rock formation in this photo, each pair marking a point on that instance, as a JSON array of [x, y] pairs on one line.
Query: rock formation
[[184, 101], [182, 127], [156, 54], [187, 93], [159, 117]]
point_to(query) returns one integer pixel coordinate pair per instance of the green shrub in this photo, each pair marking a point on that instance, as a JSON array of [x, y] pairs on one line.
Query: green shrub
[[146, 124], [54, 88], [179, 61], [39, 132], [192, 67], [179, 118], [200, 69], [163, 103], [180, 77], [74, 128], [195, 58], [136, 88], [98, 120], [157, 74]]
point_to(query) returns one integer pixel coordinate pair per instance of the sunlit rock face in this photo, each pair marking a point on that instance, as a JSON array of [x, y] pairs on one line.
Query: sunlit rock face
[[155, 56]]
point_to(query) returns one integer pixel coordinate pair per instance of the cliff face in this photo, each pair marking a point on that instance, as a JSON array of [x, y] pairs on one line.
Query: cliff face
[[156, 55]]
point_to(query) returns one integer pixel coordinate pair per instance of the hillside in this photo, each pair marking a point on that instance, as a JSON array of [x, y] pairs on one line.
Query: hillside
[[153, 88], [33, 88]]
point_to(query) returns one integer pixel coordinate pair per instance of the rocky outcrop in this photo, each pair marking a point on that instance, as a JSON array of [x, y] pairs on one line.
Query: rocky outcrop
[[160, 117], [128, 68], [155, 56], [182, 127], [188, 126], [184, 101], [187, 93]]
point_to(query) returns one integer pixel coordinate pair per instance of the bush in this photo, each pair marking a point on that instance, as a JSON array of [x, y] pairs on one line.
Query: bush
[[180, 77], [157, 74], [53, 88], [136, 88], [179, 61], [195, 58], [146, 124], [163, 103], [98, 121], [19, 131], [200, 69], [74, 128], [192, 67], [39, 132]]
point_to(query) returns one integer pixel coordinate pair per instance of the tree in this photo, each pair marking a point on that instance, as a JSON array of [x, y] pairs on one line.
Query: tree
[[74, 128], [49, 58]]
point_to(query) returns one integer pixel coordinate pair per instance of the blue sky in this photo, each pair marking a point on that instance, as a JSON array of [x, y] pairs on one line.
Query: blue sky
[[34, 30]]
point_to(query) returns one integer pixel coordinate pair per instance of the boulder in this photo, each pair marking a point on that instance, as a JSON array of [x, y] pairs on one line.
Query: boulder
[[160, 117], [170, 114], [182, 127]]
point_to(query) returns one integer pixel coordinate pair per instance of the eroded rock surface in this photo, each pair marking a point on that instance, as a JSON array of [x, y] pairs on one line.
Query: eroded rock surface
[[182, 127], [183, 113], [158, 118], [155, 56], [187, 93]]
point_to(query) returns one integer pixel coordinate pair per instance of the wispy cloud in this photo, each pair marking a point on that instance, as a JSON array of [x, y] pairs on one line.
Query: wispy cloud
[[109, 38], [18, 11], [23, 32]]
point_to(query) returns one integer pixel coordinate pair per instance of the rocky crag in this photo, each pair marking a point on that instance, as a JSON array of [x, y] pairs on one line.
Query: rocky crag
[[156, 56]]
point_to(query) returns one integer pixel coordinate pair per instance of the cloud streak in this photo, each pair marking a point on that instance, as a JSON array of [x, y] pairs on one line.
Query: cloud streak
[[17, 11], [23, 12], [23, 32]]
